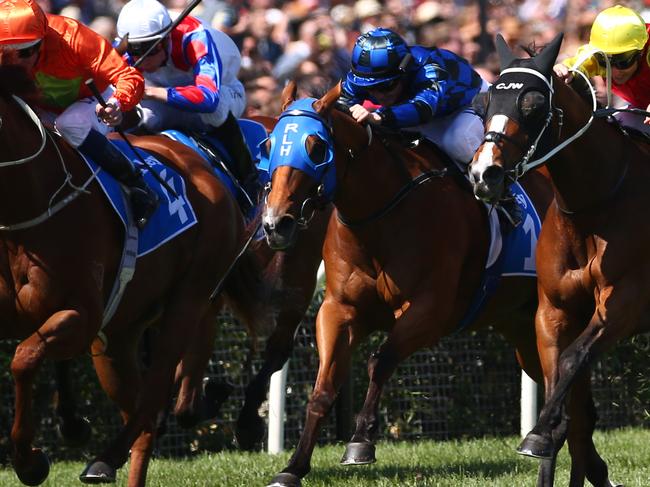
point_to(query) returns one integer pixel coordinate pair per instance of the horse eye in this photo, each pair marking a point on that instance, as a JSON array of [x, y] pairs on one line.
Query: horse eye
[[317, 149], [531, 104]]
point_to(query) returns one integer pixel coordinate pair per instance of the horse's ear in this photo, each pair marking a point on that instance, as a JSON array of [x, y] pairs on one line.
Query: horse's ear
[[324, 105], [546, 59], [289, 94], [506, 56]]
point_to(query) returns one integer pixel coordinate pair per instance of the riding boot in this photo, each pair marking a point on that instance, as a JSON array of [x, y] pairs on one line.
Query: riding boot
[[144, 200], [230, 135]]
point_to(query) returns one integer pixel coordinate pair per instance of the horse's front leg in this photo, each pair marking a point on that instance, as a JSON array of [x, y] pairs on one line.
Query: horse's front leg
[[64, 335], [336, 340], [414, 330], [614, 318]]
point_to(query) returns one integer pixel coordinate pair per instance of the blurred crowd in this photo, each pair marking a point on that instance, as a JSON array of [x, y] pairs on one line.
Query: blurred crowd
[[310, 40]]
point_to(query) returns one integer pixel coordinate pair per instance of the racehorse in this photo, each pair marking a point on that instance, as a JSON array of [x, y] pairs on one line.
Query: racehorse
[[278, 306], [61, 248], [590, 255], [405, 254]]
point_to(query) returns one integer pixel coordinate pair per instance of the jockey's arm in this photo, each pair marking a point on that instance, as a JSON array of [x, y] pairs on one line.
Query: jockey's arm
[[203, 95]]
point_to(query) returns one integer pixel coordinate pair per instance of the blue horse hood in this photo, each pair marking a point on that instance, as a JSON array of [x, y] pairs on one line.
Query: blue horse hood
[[288, 144]]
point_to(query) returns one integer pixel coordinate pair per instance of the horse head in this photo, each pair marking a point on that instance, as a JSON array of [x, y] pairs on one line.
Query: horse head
[[301, 165], [518, 113]]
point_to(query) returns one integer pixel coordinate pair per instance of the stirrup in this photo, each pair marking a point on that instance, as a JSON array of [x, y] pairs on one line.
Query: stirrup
[[144, 202]]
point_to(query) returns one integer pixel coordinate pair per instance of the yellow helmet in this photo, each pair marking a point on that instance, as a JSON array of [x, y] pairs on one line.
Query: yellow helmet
[[618, 29]]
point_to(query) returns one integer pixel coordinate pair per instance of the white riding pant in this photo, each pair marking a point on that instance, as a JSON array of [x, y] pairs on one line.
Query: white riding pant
[[75, 122], [157, 116], [459, 134]]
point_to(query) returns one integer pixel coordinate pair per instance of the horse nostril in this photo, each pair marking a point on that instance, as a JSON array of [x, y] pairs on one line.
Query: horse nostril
[[493, 175], [286, 225]]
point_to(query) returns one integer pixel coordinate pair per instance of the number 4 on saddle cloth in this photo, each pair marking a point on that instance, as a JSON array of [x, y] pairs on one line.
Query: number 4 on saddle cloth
[[173, 215], [511, 253]]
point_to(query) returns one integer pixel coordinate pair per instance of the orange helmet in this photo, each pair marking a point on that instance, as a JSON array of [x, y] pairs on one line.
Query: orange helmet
[[22, 23]]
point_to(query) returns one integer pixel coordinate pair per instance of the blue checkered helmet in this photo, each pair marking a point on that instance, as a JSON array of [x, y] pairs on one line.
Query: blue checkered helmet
[[377, 57]]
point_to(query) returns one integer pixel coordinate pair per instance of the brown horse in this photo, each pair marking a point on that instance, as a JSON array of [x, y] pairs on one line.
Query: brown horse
[[405, 253], [61, 246], [288, 279], [591, 271]]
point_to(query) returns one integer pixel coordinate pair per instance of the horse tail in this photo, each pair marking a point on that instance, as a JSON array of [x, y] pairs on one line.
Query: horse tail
[[247, 290]]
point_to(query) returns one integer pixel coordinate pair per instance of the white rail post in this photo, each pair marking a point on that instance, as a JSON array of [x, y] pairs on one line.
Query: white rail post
[[277, 399], [528, 405]]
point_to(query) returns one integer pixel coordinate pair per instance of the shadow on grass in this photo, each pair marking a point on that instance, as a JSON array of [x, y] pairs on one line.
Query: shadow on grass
[[479, 469]]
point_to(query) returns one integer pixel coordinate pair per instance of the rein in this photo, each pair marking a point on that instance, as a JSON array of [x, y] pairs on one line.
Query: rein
[[399, 196], [53, 208]]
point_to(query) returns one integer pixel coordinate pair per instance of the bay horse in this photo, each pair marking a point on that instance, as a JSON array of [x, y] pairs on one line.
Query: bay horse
[[405, 254], [591, 263], [61, 246]]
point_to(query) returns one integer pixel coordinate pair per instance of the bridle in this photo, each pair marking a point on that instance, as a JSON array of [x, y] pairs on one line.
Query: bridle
[[525, 164], [53, 207]]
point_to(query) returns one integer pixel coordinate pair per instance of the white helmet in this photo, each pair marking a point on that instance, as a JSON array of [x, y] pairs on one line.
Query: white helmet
[[143, 20]]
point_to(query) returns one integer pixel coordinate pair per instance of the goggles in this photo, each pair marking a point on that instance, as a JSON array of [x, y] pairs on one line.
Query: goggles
[[137, 49], [620, 61], [386, 86], [28, 52]]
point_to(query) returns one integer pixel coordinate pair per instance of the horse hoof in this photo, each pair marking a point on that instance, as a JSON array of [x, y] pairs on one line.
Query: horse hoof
[[37, 470], [359, 453], [98, 472], [75, 433], [536, 446], [250, 433], [285, 480]]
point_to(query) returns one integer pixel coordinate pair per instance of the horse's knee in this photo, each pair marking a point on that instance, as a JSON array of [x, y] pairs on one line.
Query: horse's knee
[[320, 403]]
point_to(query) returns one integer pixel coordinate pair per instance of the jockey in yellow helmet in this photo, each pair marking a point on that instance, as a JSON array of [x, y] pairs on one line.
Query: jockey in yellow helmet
[[60, 54], [622, 35]]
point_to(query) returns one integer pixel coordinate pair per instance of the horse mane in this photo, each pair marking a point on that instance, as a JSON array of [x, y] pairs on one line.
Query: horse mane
[[15, 80]]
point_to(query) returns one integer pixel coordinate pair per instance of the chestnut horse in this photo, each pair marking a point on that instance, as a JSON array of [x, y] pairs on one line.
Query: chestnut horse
[[61, 247], [276, 307], [405, 254], [590, 255]]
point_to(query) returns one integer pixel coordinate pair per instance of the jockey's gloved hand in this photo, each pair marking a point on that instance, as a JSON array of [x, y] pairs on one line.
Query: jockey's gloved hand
[[111, 114]]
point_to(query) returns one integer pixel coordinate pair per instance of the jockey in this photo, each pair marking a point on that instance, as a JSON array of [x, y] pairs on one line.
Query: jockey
[[420, 89], [622, 35], [60, 54], [191, 78]]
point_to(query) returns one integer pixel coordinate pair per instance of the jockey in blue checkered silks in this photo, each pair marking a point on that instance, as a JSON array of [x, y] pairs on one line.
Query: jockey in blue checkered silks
[[427, 90]]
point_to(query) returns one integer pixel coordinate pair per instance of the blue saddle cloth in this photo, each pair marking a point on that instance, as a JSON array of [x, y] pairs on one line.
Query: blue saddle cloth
[[516, 256], [173, 215], [254, 134]]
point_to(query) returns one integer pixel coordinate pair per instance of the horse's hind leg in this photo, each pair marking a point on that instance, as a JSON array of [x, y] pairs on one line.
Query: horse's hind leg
[[585, 460], [250, 427], [73, 429], [60, 337], [193, 403]]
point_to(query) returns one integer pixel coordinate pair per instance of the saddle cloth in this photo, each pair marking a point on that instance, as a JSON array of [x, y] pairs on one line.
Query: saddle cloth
[[511, 253], [173, 215]]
